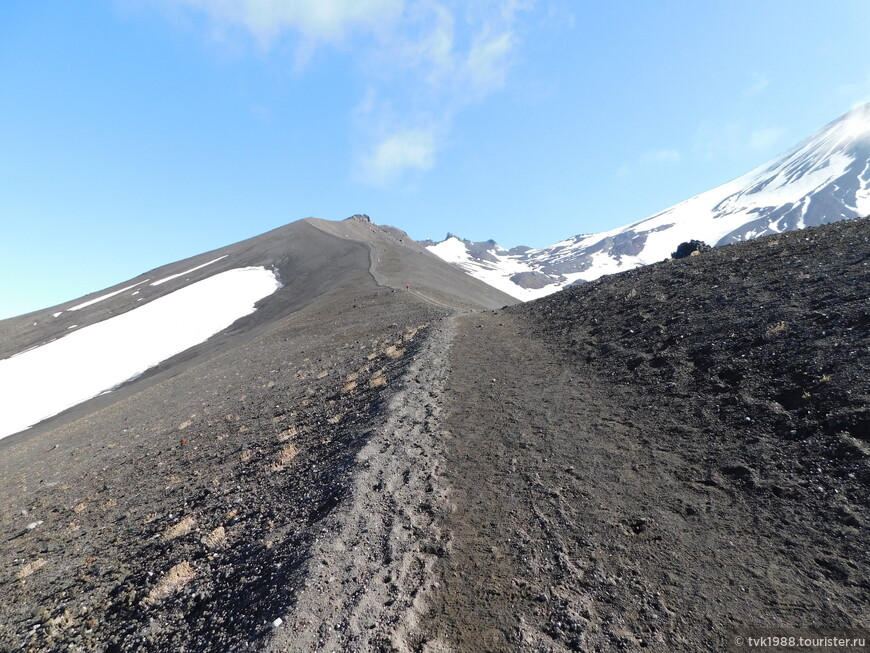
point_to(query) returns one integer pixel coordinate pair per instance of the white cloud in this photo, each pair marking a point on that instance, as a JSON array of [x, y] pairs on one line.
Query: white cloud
[[314, 20], [394, 155], [422, 62]]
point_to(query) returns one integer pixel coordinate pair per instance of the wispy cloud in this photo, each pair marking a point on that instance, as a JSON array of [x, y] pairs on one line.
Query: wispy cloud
[[662, 156], [715, 140], [454, 51], [397, 154], [423, 62], [315, 21], [442, 58], [486, 64], [857, 93]]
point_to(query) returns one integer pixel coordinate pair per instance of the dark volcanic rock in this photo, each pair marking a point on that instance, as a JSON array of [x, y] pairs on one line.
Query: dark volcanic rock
[[650, 460], [776, 329], [531, 279], [690, 248]]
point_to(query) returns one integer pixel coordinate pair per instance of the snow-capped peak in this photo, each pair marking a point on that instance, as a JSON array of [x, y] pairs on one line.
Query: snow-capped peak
[[497, 266], [822, 179]]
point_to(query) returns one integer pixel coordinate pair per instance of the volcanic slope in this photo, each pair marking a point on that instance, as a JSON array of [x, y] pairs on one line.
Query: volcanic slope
[[652, 459], [639, 463], [178, 512], [310, 258]]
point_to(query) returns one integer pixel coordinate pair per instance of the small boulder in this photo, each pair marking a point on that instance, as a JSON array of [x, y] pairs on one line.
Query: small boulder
[[690, 248]]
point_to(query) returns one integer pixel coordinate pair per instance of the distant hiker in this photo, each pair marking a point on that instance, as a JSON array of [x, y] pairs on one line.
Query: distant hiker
[[407, 286]]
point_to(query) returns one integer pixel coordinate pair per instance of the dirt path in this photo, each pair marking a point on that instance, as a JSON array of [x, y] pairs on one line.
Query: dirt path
[[582, 517], [371, 566], [520, 458]]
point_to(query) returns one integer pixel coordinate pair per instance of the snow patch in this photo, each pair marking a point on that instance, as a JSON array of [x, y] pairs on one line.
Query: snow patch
[[181, 274], [43, 381], [91, 302]]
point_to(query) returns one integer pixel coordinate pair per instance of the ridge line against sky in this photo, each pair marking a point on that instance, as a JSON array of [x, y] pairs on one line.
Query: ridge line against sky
[[146, 131]]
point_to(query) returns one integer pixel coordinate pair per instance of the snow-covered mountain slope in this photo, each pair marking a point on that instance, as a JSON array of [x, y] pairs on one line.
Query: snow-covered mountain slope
[[501, 268], [823, 179]]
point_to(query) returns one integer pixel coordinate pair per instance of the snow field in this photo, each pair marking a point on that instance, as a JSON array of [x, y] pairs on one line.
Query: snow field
[[48, 379]]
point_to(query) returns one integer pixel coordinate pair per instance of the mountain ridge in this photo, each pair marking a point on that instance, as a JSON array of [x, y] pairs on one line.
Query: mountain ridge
[[824, 178], [644, 462], [312, 259]]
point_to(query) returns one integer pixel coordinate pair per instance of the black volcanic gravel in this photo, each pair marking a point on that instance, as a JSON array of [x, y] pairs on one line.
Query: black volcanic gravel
[[644, 462], [651, 460], [770, 338], [260, 441]]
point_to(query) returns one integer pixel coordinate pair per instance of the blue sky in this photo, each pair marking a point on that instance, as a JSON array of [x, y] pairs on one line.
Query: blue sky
[[137, 132]]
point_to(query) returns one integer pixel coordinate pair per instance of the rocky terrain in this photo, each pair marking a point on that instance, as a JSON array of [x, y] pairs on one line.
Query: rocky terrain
[[654, 459], [643, 462]]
